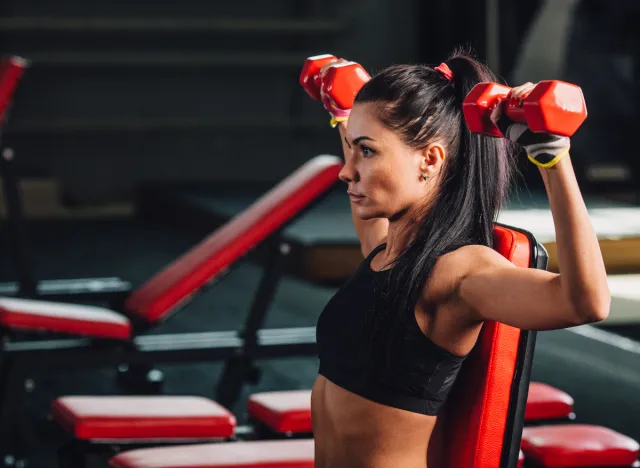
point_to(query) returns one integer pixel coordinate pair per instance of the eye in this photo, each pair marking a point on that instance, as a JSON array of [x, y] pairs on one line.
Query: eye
[[366, 151]]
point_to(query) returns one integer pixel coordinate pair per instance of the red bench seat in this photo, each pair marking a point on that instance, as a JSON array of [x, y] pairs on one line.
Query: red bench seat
[[578, 446], [262, 454], [546, 403], [143, 418], [53, 317]]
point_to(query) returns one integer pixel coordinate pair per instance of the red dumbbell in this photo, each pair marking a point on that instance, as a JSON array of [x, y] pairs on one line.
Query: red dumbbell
[[552, 107], [342, 82], [310, 75], [11, 70]]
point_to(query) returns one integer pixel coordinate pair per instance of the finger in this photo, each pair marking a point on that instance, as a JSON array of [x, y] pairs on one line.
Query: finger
[[496, 113], [499, 117], [520, 91]]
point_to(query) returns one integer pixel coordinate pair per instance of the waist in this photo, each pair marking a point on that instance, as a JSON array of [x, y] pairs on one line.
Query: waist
[[352, 431]]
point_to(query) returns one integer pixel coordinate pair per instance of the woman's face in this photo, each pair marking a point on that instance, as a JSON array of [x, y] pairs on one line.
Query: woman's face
[[383, 174]]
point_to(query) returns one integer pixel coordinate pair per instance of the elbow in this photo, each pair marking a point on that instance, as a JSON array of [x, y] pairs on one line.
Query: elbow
[[593, 308]]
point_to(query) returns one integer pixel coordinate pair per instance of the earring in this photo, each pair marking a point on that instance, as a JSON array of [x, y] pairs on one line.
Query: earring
[[425, 176]]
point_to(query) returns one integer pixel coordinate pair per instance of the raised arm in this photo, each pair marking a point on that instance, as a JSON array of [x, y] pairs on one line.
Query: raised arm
[[532, 299], [371, 233]]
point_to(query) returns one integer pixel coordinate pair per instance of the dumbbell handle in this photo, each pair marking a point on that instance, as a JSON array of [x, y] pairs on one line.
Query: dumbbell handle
[[514, 109]]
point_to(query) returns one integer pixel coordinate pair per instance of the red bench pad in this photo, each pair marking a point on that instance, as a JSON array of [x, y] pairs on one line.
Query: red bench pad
[[143, 418], [262, 454], [55, 317], [578, 445], [470, 430], [177, 282], [546, 402], [284, 412]]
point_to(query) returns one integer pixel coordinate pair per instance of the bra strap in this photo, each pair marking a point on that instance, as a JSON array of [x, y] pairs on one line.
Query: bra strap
[[375, 252]]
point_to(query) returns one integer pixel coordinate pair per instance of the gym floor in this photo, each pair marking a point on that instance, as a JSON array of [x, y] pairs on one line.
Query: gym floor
[[599, 371]]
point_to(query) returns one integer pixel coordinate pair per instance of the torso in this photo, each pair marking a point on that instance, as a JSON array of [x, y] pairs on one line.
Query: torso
[[353, 431]]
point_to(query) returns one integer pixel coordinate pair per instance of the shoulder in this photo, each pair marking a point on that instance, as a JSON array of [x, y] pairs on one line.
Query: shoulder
[[474, 256], [452, 268], [470, 258]]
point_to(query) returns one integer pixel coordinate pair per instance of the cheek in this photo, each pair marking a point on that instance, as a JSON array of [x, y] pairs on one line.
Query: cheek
[[379, 176], [390, 179], [388, 183], [402, 185]]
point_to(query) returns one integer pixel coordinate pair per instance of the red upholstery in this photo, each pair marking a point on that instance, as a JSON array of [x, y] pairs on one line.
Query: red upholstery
[[178, 281], [576, 445], [34, 315], [470, 431], [143, 418], [512, 245], [546, 402], [282, 411], [263, 454], [11, 70]]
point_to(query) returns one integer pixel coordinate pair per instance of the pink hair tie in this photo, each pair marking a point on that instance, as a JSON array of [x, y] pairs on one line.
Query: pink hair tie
[[445, 70]]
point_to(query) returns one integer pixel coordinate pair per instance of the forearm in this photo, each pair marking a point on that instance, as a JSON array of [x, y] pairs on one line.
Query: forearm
[[583, 277], [342, 129]]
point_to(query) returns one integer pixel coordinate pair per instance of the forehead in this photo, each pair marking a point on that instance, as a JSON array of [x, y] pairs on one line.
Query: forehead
[[363, 121]]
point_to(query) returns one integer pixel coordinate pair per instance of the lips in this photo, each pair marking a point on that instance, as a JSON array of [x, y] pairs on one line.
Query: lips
[[355, 196]]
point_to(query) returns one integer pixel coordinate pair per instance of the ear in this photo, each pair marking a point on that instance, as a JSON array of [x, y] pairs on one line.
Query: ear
[[433, 157]]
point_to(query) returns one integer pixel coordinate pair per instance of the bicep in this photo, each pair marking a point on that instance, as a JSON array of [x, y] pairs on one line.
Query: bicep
[[525, 298]]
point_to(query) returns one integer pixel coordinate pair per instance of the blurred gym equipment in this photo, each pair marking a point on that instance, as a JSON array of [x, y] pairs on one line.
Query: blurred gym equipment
[[87, 289]]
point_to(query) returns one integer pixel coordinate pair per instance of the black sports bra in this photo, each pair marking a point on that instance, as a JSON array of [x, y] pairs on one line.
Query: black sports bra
[[422, 372]]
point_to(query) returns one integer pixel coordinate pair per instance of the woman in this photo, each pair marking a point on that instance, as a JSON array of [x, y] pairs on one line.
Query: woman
[[424, 194]]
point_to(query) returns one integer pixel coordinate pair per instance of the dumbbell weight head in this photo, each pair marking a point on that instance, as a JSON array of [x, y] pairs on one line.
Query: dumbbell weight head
[[342, 82], [551, 107], [310, 74], [478, 105]]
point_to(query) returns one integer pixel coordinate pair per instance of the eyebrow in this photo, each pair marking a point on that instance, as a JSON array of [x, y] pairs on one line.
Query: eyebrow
[[358, 140]]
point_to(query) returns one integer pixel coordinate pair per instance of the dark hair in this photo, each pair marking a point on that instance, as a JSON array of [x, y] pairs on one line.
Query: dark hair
[[421, 104]]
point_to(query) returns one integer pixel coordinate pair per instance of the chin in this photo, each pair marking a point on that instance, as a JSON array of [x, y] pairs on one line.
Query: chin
[[367, 213]]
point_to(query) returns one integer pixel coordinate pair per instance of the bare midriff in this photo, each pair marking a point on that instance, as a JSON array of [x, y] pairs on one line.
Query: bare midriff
[[353, 432]]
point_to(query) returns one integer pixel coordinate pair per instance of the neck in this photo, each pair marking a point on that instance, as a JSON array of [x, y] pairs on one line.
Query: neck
[[399, 235], [402, 229]]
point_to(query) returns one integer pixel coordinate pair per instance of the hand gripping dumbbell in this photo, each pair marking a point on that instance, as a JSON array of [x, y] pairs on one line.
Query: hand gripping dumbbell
[[340, 83], [552, 107]]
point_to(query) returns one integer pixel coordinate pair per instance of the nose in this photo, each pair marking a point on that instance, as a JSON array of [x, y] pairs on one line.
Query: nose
[[348, 173]]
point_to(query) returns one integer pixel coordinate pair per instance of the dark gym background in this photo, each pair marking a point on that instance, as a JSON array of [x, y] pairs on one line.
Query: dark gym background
[[121, 96], [121, 91]]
